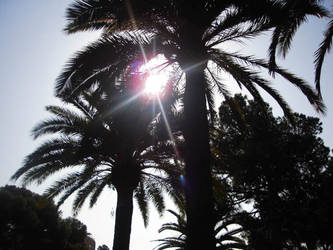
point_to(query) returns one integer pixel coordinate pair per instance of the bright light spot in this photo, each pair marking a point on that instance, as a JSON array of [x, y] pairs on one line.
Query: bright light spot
[[157, 74], [155, 83]]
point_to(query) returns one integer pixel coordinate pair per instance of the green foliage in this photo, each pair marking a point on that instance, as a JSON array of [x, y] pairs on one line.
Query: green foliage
[[282, 169], [76, 233], [31, 221]]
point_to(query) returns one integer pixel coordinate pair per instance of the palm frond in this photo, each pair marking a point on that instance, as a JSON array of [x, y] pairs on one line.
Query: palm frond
[[171, 242], [179, 226], [221, 88], [45, 154], [272, 49], [61, 185], [88, 15], [320, 53], [154, 192], [110, 54], [97, 192], [71, 189], [244, 77], [296, 14], [237, 34], [210, 101], [305, 88], [83, 194], [65, 122], [142, 200]]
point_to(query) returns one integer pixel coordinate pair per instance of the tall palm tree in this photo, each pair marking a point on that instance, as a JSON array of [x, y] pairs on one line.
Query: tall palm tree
[[226, 237], [190, 34], [101, 147]]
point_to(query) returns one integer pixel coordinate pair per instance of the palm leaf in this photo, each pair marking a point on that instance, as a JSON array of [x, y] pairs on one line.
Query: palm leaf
[[142, 200], [324, 48]]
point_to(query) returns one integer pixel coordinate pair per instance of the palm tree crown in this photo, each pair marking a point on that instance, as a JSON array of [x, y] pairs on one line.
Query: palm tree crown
[[102, 147]]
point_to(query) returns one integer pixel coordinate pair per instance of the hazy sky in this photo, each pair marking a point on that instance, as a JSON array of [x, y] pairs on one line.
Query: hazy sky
[[33, 51]]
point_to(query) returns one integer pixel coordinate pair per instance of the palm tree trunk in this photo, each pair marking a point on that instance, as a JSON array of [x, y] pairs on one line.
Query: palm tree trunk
[[198, 188], [123, 223]]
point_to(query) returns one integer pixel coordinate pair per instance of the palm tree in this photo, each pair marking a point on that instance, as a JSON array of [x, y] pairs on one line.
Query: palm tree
[[103, 149], [225, 237], [190, 34]]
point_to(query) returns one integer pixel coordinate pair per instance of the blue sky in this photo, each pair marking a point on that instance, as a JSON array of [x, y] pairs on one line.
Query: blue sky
[[33, 51]]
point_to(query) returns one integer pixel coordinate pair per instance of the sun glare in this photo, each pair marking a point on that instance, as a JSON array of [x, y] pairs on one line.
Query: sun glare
[[155, 83], [157, 76]]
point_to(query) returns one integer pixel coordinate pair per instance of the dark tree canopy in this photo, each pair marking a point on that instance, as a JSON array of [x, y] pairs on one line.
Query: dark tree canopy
[[31, 221], [284, 170], [75, 233]]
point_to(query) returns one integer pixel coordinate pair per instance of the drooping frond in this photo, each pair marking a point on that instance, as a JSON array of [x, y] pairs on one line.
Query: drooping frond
[[272, 49], [62, 185], [171, 242], [243, 19], [177, 242], [79, 181], [52, 154], [83, 194], [237, 34], [295, 14], [179, 226], [232, 62], [249, 80], [98, 190], [65, 122], [154, 192], [210, 100], [142, 200], [217, 83], [324, 48], [298, 82]]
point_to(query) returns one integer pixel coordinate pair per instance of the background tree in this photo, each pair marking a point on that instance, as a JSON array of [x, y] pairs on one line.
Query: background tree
[[188, 33], [279, 168], [31, 221], [76, 234]]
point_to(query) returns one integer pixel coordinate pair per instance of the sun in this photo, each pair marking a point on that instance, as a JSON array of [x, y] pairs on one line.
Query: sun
[[155, 83], [157, 76]]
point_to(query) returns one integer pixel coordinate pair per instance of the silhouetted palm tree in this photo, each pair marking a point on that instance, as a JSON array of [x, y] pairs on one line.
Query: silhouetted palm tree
[[226, 237], [102, 147], [191, 34]]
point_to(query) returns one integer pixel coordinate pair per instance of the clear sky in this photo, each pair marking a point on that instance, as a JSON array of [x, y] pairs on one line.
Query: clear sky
[[32, 53]]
